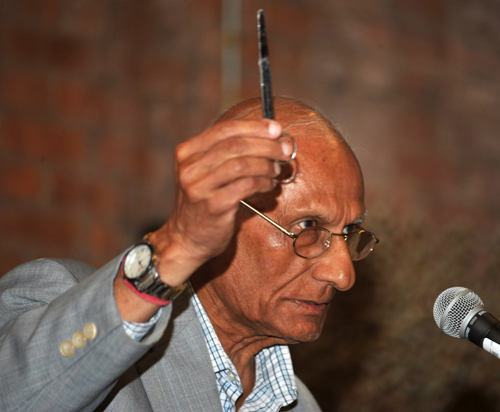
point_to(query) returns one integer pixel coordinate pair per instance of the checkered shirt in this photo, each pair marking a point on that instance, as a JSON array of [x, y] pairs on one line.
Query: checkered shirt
[[137, 331], [275, 381]]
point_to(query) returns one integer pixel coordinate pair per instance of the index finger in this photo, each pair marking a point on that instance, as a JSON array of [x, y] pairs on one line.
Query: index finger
[[263, 128]]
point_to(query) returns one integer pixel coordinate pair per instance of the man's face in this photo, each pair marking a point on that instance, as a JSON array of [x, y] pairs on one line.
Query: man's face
[[265, 288]]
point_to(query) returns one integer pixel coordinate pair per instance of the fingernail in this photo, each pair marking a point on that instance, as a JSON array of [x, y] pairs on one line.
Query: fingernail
[[274, 129], [277, 168], [286, 148]]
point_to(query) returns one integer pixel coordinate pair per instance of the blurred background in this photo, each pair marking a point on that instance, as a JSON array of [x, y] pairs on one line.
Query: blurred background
[[95, 95]]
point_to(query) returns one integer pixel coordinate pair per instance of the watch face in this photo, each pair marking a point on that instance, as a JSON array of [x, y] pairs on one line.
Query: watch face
[[137, 261]]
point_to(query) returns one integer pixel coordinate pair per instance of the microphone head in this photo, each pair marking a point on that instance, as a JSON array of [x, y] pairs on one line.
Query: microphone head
[[452, 307]]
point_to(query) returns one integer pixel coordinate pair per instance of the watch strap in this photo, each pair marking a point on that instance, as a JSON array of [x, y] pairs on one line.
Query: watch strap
[[145, 296]]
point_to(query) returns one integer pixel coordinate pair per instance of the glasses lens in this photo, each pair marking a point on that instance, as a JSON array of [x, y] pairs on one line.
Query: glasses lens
[[311, 243], [360, 244]]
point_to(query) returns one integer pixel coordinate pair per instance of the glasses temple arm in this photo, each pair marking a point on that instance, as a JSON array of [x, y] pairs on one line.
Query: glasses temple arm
[[286, 232]]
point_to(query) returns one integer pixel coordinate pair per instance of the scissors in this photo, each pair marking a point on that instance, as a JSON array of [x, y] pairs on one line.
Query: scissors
[[265, 81]]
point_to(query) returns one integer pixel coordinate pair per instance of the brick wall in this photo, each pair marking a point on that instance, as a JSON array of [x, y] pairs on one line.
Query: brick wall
[[94, 96]]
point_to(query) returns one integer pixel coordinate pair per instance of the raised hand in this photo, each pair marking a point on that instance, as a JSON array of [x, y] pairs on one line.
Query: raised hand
[[228, 162]]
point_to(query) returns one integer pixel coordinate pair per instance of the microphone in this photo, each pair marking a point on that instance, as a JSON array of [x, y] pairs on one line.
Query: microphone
[[460, 313]]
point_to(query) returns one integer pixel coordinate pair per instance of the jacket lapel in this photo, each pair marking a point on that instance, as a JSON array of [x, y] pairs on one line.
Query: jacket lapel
[[177, 373]]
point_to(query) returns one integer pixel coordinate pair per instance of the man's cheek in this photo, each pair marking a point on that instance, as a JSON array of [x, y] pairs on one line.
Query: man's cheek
[[278, 240]]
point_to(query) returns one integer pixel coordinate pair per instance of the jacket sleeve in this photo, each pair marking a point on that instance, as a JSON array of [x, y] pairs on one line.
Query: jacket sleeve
[[43, 304]]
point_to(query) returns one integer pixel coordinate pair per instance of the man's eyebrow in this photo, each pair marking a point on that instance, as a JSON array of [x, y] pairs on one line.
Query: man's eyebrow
[[360, 219]]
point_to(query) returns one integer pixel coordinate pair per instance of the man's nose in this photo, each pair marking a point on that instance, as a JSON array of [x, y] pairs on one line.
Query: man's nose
[[335, 265]]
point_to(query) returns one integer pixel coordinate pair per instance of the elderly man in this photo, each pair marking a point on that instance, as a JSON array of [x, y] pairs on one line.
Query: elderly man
[[261, 274]]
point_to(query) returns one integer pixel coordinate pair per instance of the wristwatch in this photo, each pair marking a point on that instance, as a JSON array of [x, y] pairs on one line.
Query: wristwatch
[[139, 269]]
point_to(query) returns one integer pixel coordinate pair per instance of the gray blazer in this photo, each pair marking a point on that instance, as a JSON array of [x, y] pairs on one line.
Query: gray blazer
[[43, 303]]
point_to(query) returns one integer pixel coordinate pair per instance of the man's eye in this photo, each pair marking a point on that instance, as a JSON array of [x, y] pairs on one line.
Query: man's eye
[[306, 224], [350, 229]]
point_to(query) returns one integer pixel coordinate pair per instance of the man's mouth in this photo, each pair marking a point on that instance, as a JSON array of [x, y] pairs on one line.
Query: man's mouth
[[312, 306]]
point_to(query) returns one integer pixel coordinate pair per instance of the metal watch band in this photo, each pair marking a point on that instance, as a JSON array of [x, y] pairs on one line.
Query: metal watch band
[[151, 284]]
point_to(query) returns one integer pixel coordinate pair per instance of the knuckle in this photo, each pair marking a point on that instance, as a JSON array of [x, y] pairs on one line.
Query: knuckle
[[192, 194], [189, 170], [238, 166], [184, 175], [227, 128], [181, 151], [231, 125]]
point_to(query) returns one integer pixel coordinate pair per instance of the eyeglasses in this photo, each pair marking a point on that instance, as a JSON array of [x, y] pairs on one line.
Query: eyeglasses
[[313, 242]]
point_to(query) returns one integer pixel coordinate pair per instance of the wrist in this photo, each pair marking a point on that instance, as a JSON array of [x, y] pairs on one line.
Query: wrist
[[131, 306], [176, 261]]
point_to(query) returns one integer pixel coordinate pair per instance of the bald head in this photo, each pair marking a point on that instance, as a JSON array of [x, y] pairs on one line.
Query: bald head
[[289, 112]]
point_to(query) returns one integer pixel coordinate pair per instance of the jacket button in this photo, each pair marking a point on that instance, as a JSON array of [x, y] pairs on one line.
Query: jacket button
[[67, 349], [90, 330], [79, 340]]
